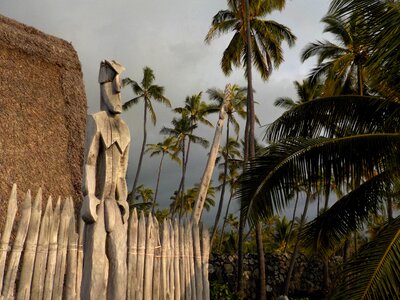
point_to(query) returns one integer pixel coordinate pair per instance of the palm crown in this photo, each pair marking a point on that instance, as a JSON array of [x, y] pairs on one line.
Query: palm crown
[[266, 36]]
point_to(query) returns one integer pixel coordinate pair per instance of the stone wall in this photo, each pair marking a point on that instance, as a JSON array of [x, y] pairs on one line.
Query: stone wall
[[307, 278], [43, 114]]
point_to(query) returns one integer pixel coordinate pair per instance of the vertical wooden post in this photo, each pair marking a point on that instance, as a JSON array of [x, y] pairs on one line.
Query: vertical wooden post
[[186, 246], [62, 242], [149, 259], [166, 257], [171, 262], [5, 237], [39, 272], [79, 272], [197, 261], [70, 292], [157, 260], [140, 257], [52, 256], [182, 262], [192, 261], [178, 260], [23, 226], [28, 258], [132, 254]]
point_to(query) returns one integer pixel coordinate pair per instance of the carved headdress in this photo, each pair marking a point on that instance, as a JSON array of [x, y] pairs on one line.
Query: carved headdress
[[108, 70]]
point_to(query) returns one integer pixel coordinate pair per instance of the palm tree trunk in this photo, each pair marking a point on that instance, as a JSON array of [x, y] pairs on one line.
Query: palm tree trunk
[[360, 80], [221, 199], [346, 250], [132, 194], [293, 218], [158, 182], [390, 209], [296, 248], [208, 171], [252, 151], [182, 180], [188, 150], [261, 262], [224, 223], [326, 278], [185, 163], [249, 154]]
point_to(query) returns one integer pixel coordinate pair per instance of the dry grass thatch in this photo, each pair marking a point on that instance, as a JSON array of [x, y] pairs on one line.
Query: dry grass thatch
[[42, 112]]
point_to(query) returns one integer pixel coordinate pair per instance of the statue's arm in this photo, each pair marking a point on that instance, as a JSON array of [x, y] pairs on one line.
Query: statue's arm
[[90, 201], [122, 188]]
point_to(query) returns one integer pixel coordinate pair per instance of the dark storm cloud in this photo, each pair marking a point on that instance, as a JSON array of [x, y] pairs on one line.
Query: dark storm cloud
[[168, 37]]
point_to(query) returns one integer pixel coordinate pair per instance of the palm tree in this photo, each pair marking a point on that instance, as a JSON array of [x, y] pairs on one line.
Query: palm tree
[[306, 90], [168, 146], [146, 91], [143, 199], [259, 39], [229, 153], [342, 64], [232, 177], [282, 232], [235, 105], [266, 36], [197, 110], [380, 29], [182, 130], [185, 205], [348, 136]]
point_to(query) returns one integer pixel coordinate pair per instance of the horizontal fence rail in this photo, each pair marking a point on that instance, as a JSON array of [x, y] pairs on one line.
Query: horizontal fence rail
[[41, 255]]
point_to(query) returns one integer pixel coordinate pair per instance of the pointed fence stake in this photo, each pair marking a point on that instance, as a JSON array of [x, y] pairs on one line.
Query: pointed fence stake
[[132, 254], [39, 272], [72, 258], [22, 231], [5, 237], [28, 259], [52, 255]]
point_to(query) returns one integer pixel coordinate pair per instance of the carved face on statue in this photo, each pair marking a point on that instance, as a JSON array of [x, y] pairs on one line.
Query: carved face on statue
[[110, 86]]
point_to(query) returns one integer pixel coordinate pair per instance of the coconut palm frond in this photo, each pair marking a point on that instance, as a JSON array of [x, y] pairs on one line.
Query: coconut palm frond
[[326, 232], [131, 102], [269, 179], [374, 273], [334, 116]]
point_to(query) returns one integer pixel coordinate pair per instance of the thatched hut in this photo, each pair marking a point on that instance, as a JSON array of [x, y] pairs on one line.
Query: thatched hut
[[42, 112]]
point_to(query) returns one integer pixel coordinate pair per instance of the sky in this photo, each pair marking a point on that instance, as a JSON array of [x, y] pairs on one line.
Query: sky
[[167, 36]]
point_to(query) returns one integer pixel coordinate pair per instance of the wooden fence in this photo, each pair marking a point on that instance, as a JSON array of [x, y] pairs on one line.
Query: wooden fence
[[45, 258]]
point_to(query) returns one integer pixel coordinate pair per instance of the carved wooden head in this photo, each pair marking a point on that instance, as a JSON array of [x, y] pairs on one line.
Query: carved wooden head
[[110, 86]]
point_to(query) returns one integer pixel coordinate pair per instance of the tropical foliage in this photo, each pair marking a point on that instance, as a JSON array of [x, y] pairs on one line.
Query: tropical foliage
[[146, 91], [347, 139], [266, 36], [340, 134]]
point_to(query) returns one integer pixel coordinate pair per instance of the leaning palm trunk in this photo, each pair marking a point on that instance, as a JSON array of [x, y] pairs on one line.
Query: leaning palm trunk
[[221, 199], [205, 181]]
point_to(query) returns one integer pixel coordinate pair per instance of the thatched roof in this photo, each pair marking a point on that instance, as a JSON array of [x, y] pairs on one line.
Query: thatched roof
[[42, 112]]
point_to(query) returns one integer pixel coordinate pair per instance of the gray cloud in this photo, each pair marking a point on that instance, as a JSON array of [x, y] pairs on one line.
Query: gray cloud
[[168, 37]]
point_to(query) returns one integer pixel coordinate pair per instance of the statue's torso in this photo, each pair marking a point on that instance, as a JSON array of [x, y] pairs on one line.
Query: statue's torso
[[114, 138]]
